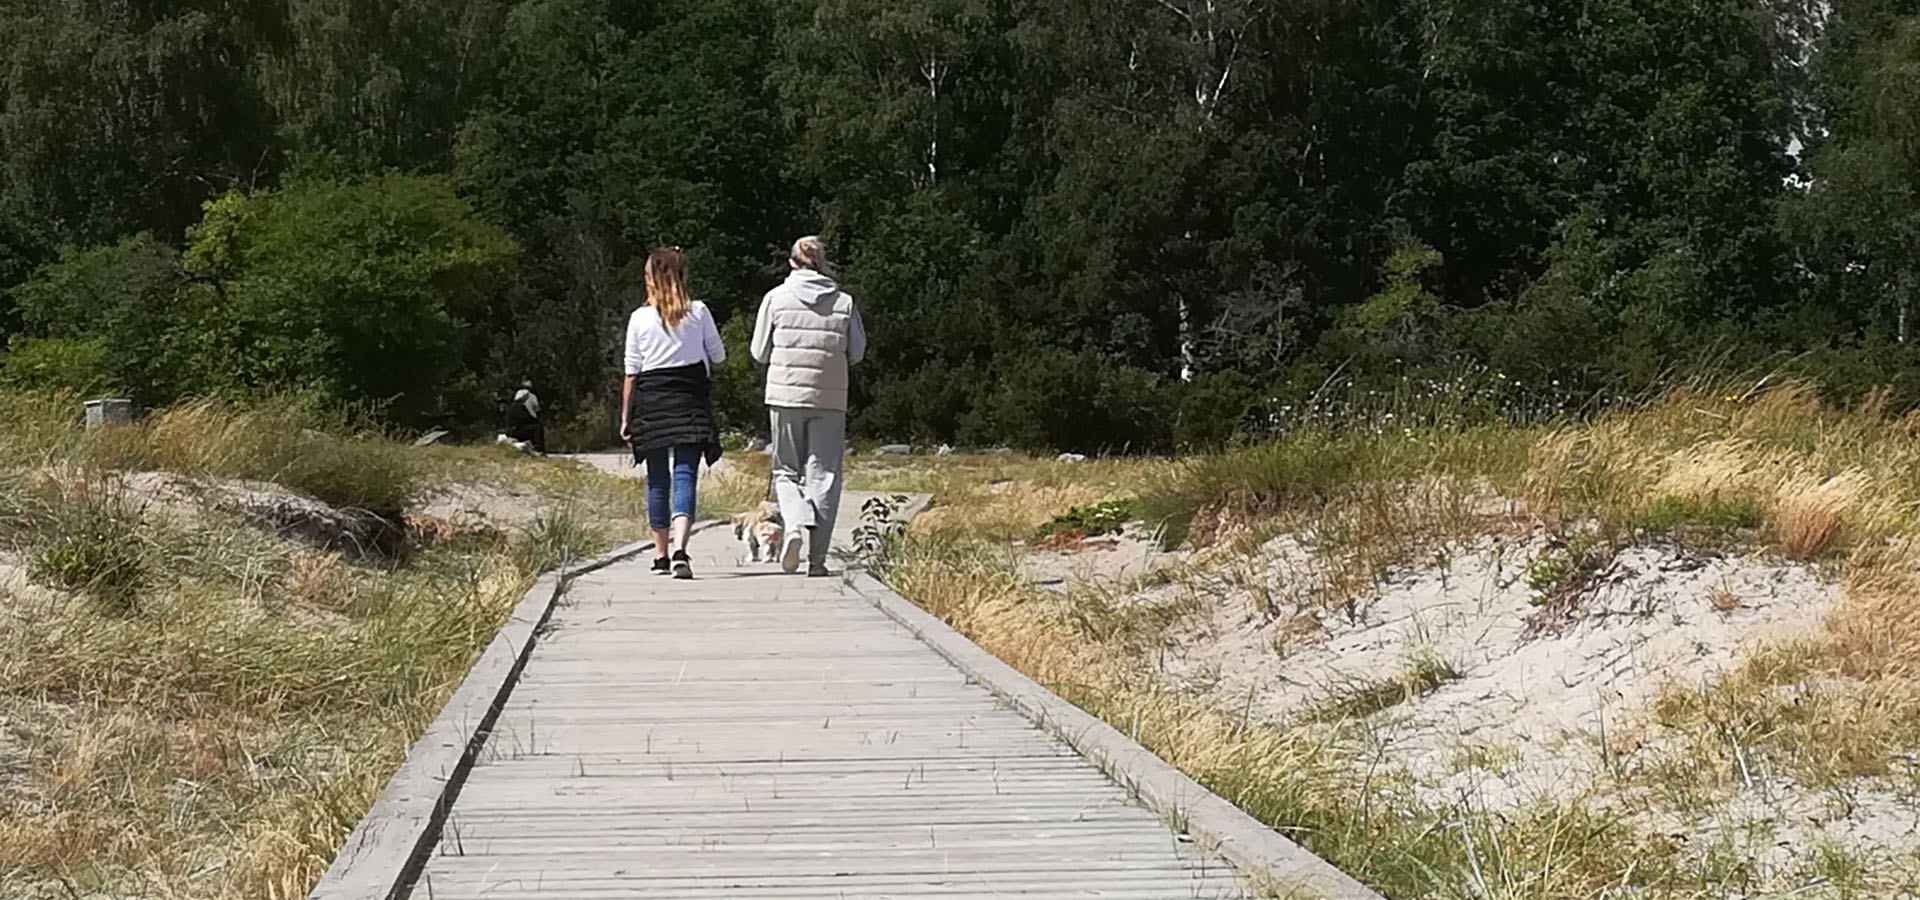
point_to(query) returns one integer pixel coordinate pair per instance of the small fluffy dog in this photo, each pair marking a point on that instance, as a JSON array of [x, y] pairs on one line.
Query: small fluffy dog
[[761, 529]]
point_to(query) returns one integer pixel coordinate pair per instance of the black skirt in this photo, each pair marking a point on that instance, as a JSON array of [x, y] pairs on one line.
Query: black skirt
[[673, 408]]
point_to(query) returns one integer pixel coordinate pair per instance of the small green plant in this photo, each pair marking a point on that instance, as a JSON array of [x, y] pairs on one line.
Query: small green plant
[[1559, 578], [880, 529], [1845, 870], [83, 538], [1091, 521], [1547, 571]]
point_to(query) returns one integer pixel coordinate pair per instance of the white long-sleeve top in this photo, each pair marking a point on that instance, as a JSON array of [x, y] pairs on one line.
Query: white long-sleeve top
[[651, 345]]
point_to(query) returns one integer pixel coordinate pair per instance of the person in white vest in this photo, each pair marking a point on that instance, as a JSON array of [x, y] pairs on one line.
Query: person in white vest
[[808, 334]]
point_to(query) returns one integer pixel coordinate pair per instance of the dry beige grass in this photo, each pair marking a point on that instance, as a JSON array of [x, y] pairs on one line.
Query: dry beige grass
[[1323, 783], [1828, 485], [219, 737], [1771, 469], [1876, 630], [1003, 498], [1810, 519]]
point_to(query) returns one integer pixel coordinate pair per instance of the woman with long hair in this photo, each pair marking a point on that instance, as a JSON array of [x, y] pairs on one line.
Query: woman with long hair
[[808, 334], [667, 404]]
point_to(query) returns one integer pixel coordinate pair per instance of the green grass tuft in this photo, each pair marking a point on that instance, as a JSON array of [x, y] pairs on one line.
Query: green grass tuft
[[1424, 675], [80, 536], [1704, 524], [558, 539]]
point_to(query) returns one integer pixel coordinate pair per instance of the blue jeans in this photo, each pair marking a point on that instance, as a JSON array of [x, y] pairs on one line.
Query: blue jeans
[[675, 493]]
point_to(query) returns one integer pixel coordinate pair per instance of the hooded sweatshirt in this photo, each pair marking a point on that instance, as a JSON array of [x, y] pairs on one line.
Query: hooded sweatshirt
[[807, 334]]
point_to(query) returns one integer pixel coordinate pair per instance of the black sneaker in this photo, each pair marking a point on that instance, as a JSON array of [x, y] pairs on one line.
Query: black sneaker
[[662, 566], [682, 566], [818, 570]]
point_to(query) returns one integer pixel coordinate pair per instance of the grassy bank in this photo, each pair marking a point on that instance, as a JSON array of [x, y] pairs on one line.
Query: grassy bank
[[195, 705], [1769, 472]]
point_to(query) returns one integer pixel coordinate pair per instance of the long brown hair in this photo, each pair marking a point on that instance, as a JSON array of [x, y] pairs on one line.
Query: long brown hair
[[667, 287]]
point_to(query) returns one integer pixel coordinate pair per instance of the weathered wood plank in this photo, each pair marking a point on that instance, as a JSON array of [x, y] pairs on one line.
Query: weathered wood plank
[[776, 736], [383, 852], [755, 735]]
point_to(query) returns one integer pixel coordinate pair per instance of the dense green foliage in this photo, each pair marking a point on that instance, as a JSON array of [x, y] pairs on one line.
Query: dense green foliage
[[1082, 224]]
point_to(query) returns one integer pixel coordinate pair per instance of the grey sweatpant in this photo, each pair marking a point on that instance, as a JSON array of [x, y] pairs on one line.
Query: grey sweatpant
[[808, 447]]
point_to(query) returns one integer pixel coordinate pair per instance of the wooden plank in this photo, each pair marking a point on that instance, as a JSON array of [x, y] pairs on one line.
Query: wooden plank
[[1275, 864], [751, 734], [389, 844]]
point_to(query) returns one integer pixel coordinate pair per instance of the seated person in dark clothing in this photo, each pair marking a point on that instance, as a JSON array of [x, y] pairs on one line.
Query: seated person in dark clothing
[[522, 421]]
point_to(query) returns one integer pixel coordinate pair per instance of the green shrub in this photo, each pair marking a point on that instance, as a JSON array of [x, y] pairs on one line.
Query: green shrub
[[1705, 525], [378, 476], [1214, 410], [371, 290], [585, 430], [1264, 479], [1049, 399], [107, 315], [77, 365], [1670, 515]]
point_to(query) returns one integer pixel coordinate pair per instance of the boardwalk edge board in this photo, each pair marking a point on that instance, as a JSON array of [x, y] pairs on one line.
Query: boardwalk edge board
[[1273, 864], [393, 841]]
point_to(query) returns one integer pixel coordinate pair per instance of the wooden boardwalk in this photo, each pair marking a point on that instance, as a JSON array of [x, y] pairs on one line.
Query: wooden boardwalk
[[752, 734]]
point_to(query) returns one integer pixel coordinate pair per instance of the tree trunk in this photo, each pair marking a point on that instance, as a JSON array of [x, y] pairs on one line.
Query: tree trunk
[[1186, 340], [1903, 302]]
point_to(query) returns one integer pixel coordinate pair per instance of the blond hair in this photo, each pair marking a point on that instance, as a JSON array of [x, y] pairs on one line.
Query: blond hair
[[667, 287], [811, 253]]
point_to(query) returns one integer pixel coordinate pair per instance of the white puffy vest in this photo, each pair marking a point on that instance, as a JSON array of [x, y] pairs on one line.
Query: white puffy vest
[[807, 367]]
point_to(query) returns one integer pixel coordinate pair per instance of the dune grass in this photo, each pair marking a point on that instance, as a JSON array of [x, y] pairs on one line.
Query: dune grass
[[1319, 784], [1769, 469], [286, 442], [191, 706]]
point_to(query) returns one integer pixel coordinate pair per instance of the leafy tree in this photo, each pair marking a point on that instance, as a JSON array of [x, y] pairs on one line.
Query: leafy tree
[[617, 127], [1861, 212], [380, 83], [886, 99], [118, 117], [366, 291], [126, 298], [1151, 214], [1398, 324]]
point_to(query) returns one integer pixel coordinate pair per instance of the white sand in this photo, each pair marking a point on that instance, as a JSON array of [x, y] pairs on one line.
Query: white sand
[[1529, 712]]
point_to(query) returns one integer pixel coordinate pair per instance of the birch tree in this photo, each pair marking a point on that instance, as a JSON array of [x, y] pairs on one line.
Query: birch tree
[[883, 94], [1214, 34]]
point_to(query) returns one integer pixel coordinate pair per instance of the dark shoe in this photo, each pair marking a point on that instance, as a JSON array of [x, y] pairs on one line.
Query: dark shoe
[[662, 566], [819, 570], [682, 566]]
